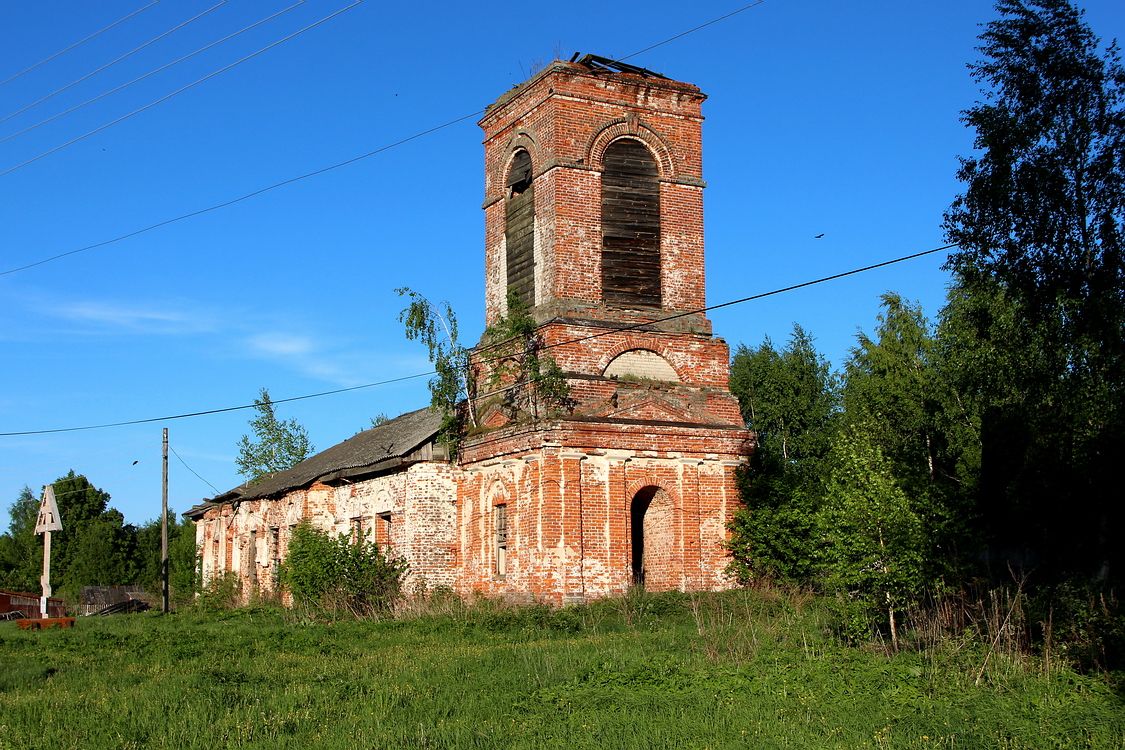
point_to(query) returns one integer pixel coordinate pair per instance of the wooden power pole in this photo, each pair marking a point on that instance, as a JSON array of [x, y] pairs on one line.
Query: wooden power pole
[[164, 529]]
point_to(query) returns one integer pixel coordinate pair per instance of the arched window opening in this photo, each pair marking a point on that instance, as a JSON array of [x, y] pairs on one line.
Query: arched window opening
[[630, 226], [519, 229]]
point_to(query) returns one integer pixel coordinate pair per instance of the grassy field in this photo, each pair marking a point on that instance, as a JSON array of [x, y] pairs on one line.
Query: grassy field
[[739, 670]]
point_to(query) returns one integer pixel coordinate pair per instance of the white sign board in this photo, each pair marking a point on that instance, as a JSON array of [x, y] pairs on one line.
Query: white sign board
[[49, 519]]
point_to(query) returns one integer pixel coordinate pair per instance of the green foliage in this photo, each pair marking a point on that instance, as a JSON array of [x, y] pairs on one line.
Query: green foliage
[[739, 669], [528, 379], [181, 557], [872, 536], [95, 548], [1039, 303], [21, 554], [277, 445], [104, 554], [219, 594], [95, 545], [183, 560], [1084, 622], [898, 389], [340, 575], [791, 400], [525, 379], [452, 387]]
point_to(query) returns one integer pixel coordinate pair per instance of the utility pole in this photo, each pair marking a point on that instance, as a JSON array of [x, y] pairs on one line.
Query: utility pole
[[164, 529], [47, 522]]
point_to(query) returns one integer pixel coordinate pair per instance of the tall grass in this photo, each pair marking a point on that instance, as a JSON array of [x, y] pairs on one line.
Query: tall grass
[[742, 669]]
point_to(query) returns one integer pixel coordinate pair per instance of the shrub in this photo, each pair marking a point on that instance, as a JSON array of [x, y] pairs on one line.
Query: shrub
[[341, 574], [220, 592]]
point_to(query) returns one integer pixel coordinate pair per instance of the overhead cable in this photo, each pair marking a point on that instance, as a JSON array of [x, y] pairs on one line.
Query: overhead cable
[[193, 471], [79, 43], [110, 64], [606, 332], [182, 89], [152, 72], [268, 188]]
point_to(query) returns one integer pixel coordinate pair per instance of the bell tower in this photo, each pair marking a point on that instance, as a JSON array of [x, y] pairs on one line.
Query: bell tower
[[594, 220], [594, 195]]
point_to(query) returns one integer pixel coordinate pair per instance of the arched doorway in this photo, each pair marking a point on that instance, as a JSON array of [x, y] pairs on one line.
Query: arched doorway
[[651, 540]]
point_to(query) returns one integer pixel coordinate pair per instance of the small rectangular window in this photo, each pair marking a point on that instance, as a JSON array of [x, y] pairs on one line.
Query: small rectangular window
[[252, 555], [357, 528], [383, 531], [275, 555], [500, 514]]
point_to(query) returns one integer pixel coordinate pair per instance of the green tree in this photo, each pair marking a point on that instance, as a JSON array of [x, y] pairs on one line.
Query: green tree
[[896, 388], [21, 554], [1040, 288], [452, 387], [871, 537], [790, 399], [521, 373], [517, 371], [103, 554], [181, 556], [277, 444], [80, 504], [183, 560]]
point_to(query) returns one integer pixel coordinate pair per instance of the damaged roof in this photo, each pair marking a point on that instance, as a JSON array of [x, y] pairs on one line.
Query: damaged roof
[[377, 449], [608, 64]]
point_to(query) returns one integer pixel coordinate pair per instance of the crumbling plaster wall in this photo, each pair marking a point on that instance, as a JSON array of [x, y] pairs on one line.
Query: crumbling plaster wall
[[252, 537]]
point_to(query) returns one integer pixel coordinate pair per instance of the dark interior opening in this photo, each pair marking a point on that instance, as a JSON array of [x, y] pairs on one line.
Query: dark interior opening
[[637, 510]]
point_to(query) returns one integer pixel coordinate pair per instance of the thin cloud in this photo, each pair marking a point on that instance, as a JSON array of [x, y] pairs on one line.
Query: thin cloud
[[329, 361], [111, 317], [281, 345]]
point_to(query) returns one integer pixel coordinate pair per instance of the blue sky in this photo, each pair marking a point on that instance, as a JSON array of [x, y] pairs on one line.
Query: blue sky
[[823, 117]]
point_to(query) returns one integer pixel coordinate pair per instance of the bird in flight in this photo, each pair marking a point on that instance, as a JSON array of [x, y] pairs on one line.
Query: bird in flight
[[818, 236]]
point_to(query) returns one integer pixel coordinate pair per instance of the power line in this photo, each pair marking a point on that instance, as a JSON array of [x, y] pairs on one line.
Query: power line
[[109, 64], [246, 196], [182, 89], [729, 303], [152, 72], [692, 30], [208, 412], [607, 332], [193, 471], [346, 162], [80, 42]]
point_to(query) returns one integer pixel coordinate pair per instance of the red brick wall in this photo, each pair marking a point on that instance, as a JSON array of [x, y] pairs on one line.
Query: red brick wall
[[565, 117], [569, 489], [568, 485]]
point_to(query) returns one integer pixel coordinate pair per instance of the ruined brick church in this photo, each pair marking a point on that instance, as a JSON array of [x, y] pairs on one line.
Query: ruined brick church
[[594, 220]]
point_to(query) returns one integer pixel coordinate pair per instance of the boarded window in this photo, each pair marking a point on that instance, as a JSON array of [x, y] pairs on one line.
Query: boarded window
[[519, 229], [500, 513], [630, 226]]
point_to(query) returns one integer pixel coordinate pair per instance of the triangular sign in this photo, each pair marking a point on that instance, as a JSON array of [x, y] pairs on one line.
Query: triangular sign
[[49, 518]]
